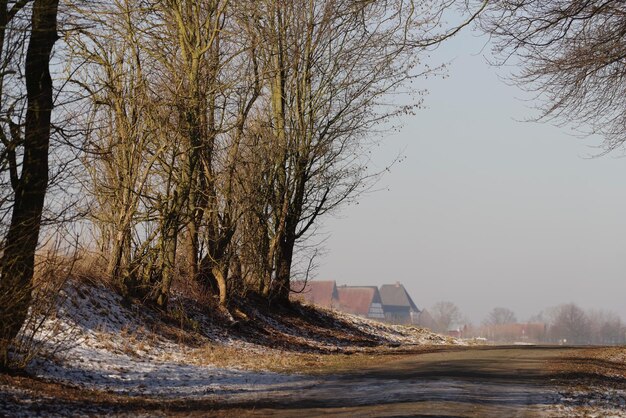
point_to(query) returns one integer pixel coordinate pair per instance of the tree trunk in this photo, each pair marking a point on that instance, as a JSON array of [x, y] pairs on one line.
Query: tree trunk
[[169, 241], [284, 257], [220, 278], [18, 259], [192, 248], [114, 268]]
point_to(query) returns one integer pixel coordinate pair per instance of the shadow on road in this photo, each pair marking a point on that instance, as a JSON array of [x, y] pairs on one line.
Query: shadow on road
[[465, 382]]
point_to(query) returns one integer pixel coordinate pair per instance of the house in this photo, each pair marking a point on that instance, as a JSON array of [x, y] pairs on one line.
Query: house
[[361, 300], [398, 306], [426, 320], [321, 293], [515, 332], [456, 330]]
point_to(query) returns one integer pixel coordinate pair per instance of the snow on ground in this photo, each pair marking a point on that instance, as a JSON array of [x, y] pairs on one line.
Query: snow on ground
[[399, 334], [100, 369], [107, 344], [121, 348], [592, 402]]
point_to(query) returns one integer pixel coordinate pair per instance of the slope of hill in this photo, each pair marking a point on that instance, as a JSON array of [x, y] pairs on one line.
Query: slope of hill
[[100, 343]]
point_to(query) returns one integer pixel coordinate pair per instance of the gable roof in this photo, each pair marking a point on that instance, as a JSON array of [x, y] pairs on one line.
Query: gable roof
[[357, 299], [396, 295], [322, 293], [426, 320]]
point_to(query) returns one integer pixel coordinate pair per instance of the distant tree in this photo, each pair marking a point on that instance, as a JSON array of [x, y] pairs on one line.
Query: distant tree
[[606, 327], [538, 318], [445, 314], [572, 53], [570, 323], [500, 316]]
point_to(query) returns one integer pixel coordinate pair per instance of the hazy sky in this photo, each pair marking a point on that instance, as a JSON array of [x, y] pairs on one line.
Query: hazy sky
[[487, 211]]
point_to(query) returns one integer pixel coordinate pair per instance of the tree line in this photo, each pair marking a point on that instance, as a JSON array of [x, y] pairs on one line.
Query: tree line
[[563, 324], [220, 132], [194, 138], [206, 138]]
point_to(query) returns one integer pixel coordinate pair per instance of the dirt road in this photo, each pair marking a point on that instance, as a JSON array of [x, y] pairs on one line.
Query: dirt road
[[454, 382], [448, 381]]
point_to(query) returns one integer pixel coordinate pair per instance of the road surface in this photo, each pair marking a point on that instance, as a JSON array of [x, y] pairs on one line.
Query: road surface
[[446, 382], [454, 382]]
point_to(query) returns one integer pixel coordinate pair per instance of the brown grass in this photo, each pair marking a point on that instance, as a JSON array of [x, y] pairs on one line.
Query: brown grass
[[296, 362], [593, 366]]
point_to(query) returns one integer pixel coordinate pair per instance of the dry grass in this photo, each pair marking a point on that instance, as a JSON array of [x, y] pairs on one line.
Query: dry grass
[[52, 271], [600, 366], [296, 362]]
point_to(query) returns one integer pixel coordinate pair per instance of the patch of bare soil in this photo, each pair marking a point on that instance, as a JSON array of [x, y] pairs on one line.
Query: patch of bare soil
[[594, 381], [594, 365]]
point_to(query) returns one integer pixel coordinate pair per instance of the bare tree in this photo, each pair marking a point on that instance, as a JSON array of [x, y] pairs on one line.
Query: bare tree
[[29, 186], [160, 116], [330, 69], [223, 131], [606, 327], [500, 316], [445, 314], [572, 54], [570, 324], [120, 148]]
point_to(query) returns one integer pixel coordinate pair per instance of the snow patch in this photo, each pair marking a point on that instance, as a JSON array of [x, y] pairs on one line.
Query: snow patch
[[106, 345]]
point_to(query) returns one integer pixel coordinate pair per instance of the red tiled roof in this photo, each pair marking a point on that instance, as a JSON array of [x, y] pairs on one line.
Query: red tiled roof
[[322, 293], [357, 300]]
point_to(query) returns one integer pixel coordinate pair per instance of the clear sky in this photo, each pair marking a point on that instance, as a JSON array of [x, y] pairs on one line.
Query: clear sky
[[485, 210]]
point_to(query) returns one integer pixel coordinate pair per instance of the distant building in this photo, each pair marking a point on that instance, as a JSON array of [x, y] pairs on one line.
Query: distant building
[[398, 306], [318, 292], [426, 320], [456, 330], [361, 300], [529, 332]]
